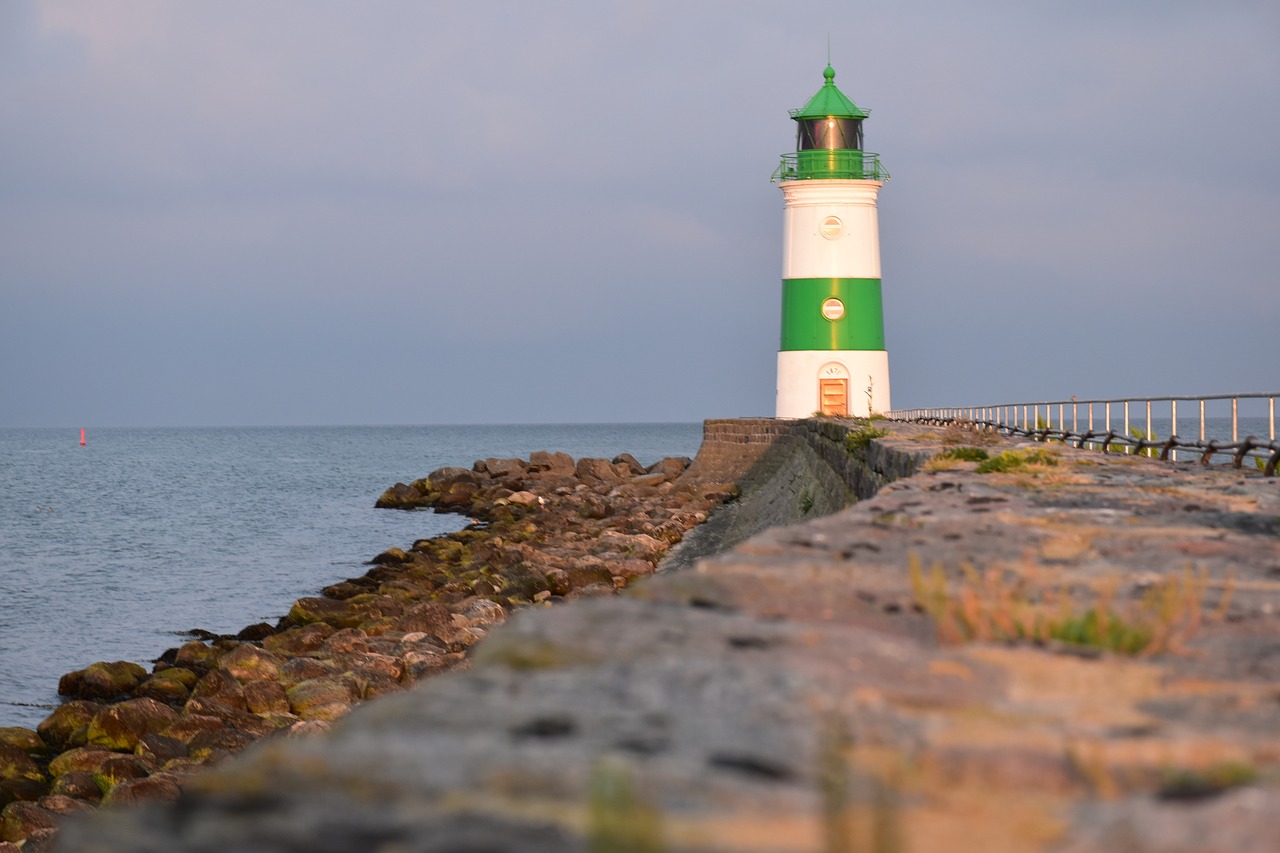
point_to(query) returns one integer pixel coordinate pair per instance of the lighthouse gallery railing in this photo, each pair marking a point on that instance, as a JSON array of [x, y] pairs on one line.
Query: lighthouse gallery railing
[[840, 163], [1037, 420]]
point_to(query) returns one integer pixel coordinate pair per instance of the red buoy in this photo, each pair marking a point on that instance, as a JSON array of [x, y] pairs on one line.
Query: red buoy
[[82, 436]]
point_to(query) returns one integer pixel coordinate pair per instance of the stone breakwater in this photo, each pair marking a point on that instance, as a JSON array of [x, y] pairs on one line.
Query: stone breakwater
[[1047, 650], [547, 530]]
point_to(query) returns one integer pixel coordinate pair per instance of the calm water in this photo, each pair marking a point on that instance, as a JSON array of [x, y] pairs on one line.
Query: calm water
[[154, 532]]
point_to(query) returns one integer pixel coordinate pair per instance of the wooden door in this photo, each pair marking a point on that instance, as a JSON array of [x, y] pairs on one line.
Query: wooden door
[[834, 397]]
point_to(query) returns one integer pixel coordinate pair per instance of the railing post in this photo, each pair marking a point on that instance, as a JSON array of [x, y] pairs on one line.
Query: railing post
[[1127, 448], [1202, 420], [1148, 435], [1173, 427], [1235, 421], [1272, 406]]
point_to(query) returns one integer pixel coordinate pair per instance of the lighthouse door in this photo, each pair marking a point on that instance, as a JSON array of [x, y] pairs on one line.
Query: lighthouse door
[[834, 397]]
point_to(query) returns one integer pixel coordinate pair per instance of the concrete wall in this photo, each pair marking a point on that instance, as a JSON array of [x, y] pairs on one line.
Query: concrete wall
[[788, 472]]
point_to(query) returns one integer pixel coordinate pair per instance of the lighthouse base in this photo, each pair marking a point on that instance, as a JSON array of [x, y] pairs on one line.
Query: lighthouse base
[[844, 383]]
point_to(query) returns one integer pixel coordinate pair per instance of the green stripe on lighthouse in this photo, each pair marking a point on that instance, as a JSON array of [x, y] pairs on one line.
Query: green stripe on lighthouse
[[860, 326]]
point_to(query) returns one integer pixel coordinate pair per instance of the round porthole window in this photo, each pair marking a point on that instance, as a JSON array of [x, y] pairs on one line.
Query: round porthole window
[[832, 309], [831, 227]]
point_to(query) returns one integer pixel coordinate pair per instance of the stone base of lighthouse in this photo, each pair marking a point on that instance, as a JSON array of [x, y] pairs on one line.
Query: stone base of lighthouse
[[832, 382]]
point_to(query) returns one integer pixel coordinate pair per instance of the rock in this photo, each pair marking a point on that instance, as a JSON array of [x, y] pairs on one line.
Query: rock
[[21, 819], [85, 758], [171, 686], [670, 467], [443, 477], [118, 727], [255, 633], [189, 725], [504, 469], [16, 765], [554, 463], [27, 790], [305, 611], [265, 697], [390, 557], [346, 641], [210, 745], [558, 582], [131, 791], [61, 804], [592, 471], [159, 748], [657, 478], [483, 613], [425, 617], [249, 663], [634, 467], [115, 770], [524, 499], [299, 641], [78, 784], [457, 496], [102, 680], [68, 724], [197, 656], [24, 739], [321, 698], [399, 496], [297, 670]]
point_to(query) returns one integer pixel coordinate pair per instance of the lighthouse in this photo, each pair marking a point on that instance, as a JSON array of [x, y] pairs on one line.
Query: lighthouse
[[832, 358]]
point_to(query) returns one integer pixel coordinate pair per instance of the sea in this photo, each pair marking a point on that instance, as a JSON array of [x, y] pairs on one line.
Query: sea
[[117, 549]]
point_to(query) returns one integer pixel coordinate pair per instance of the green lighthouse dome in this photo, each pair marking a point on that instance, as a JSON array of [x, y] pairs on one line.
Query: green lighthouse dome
[[829, 138]]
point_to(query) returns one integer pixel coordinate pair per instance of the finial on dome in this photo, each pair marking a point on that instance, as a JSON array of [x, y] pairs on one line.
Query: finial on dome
[[829, 73]]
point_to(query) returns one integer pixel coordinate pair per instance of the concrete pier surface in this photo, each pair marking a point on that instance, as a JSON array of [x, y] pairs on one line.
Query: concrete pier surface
[[1051, 649]]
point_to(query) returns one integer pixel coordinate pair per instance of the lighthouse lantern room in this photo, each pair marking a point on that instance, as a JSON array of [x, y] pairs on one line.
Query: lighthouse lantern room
[[832, 358]]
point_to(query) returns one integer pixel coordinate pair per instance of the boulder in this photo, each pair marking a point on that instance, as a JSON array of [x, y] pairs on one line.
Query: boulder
[[171, 686], [593, 471], [425, 617], [118, 769], [213, 745], [118, 727], [249, 663], [326, 698], [61, 804], [670, 467], [483, 613], [102, 680], [150, 788], [297, 670], [553, 463], [16, 765], [346, 641], [503, 469], [457, 496], [633, 465], [197, 656], [442, 477], [306, 611], [24, 739], [189, 725], [390, 557], [19, 820], [524, 498], [299, 641], [78, 784], [399, 496], [265, 697], [158, 748], [88, 759], [68, 724]]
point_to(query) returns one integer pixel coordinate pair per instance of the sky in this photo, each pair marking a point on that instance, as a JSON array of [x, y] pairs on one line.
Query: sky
[[297, 212]]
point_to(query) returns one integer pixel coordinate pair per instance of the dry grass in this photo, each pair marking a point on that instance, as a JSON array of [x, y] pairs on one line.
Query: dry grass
[[966, 433], [997, 606]]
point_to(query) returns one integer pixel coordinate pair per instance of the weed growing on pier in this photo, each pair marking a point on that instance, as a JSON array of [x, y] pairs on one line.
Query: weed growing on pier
[[990, 606], [1017, 460], [964, 454], [620, 820], [856, 440]]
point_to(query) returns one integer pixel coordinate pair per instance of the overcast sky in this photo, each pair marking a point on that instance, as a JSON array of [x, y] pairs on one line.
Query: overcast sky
[[224, 212]]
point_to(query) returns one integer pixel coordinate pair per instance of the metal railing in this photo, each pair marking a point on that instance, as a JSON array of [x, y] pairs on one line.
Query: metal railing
[[1037, 420], [841, 163]]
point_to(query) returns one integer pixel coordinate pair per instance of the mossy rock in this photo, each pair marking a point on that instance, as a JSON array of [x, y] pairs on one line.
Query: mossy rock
[[68, 725], [120, 769], [322, 698], [21, 819], [118, 727], [27, 740], [78, 784], [171, 686], [306, 611], [87, 759], [102, 680], [250, 663], [16, 765], [197, 656], [299, 640]]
